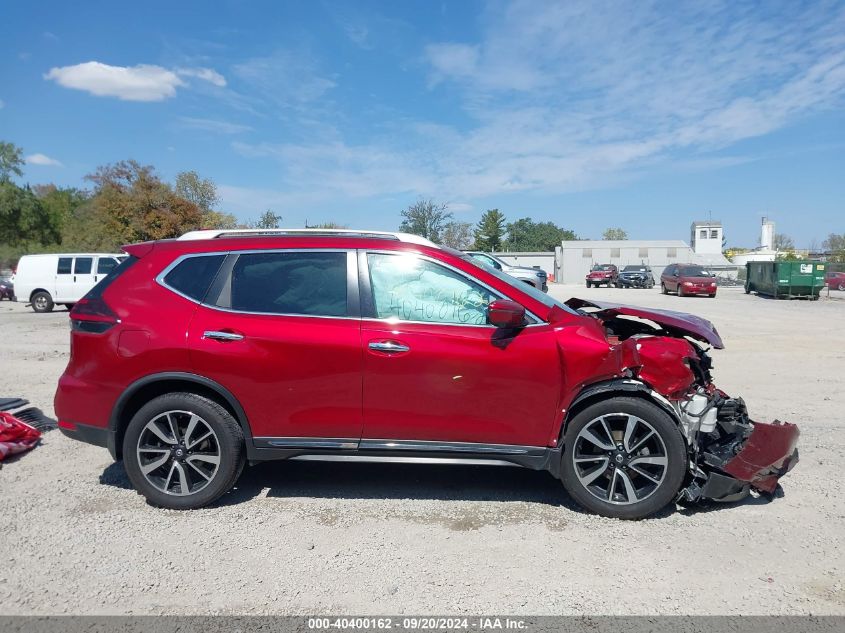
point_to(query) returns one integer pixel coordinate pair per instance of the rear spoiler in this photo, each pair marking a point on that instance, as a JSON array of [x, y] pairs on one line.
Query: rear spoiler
[[139, 249]]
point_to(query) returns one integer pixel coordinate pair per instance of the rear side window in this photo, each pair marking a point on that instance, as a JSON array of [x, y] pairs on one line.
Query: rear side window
[[309, 283], [193, 275], [83, 265], [64, 265]]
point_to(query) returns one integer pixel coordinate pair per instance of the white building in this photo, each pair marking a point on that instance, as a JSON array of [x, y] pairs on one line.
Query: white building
[[706, 237], [765, 252], [578, 257]]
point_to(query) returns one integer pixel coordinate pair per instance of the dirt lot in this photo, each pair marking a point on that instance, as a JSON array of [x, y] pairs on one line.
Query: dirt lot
[[309, 537]]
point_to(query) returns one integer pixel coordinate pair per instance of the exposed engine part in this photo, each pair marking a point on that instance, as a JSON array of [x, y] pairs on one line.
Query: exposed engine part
[[697, 415]]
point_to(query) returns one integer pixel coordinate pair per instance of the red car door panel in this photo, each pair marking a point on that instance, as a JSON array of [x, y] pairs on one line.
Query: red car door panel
[[458, 381]]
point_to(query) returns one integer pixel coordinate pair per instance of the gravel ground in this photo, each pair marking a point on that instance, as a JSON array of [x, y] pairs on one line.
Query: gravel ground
[[310, 537]]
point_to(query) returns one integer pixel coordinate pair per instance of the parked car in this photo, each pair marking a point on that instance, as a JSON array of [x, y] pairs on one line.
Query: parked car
[[7, 289], [687, 279], [834, 280], [635, 276], [339, 344], [602, 274], [44, 281], [534, 276]]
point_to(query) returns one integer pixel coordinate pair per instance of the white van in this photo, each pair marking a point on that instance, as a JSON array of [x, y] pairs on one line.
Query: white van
[[60, 278]]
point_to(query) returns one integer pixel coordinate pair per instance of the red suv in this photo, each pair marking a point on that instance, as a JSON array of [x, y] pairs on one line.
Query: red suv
[[196, 356], [602, 274]]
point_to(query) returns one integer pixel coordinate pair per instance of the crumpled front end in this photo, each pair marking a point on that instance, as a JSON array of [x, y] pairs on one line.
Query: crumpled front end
[[729, 454]]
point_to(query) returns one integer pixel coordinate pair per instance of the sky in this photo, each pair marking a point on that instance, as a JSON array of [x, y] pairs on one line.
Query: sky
[[642, 115]]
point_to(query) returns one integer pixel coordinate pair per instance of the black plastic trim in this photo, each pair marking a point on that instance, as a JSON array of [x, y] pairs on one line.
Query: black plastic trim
[[224, 393], [96, 435]]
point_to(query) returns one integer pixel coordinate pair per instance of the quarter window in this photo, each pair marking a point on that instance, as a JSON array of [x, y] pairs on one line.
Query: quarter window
[[193, 275], [310, 283], [409, 288]]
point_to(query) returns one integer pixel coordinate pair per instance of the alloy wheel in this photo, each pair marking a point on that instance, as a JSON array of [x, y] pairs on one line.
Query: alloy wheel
[[178, 453], [41, 302], [620, 458]]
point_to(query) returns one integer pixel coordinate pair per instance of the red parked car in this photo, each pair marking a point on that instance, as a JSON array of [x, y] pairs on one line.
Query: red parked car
[[197, 356], [687, 279], [602, 274], [834, 280]]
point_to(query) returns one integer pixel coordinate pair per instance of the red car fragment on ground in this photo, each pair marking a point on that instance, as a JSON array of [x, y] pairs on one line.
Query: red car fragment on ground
[[16, 436]]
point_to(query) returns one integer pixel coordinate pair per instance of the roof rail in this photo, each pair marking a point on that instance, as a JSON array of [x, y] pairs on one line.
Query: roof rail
[[211, 234]]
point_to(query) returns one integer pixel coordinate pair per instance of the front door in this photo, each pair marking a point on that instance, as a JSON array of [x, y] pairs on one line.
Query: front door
[[436, 372], [284, 337]]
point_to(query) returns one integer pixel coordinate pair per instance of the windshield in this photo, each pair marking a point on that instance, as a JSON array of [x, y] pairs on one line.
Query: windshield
[[602, 267], [694, 271], [528, 289], [635, 269]]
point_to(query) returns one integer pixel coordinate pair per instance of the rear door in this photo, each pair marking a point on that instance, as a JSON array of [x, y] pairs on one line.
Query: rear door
[[436, 375], [281, 331]]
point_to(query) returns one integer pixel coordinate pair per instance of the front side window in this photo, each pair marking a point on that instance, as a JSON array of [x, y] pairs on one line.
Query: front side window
[[308, 283], [193, 275], [409, 288], [83, 265], [64, 265], [485, 259]]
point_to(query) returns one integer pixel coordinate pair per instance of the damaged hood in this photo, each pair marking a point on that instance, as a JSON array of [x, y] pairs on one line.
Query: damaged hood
[[676, 323]]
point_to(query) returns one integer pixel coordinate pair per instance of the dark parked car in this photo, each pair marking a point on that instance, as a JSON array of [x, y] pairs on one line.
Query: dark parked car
[[331, 345], [636, 276], [687, 279], [7, 289], [602, 274], [834, 280]]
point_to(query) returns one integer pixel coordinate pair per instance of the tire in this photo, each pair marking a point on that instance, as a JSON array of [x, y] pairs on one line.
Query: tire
[[663, 288], [666, 445], [69, 306], [841, 286], [588, 284], [226, 444], [42, 302], [713, 296]]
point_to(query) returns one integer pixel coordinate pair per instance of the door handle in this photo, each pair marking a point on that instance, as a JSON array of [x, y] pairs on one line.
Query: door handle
[[222, 336], [388, 347]]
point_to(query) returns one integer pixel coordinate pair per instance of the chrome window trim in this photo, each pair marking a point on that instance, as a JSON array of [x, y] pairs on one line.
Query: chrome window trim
[[160, 279], [459, 272]]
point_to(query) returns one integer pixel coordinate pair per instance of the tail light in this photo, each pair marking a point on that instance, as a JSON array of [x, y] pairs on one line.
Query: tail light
[[92, 315]]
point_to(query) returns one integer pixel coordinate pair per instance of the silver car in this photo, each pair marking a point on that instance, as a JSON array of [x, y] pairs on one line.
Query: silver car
[[533, 276]]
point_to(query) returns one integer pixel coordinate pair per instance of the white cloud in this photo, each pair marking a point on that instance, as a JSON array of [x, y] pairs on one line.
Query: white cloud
[[206, 74], [285, 78], [212, 125], [143, 82], [43, 160]]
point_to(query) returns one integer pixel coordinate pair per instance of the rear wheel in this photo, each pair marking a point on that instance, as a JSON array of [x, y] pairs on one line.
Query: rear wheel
[[842, 286], [42, 301], [183, 451], [623, 458]]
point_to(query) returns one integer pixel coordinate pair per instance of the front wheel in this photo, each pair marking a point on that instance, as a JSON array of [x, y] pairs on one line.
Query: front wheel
[[42, 301], [842, 286], [623, 458], [588, 284], [663, 288], [183, 451]]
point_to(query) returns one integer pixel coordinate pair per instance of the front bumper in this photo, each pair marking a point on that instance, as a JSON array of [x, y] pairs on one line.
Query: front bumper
[[698, 290]]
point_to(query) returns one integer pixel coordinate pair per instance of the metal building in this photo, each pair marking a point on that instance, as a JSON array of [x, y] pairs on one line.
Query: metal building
[[577, 257]]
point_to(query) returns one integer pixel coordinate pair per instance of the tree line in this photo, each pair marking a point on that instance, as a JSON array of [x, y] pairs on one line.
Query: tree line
[[127, 202], [493, 232]]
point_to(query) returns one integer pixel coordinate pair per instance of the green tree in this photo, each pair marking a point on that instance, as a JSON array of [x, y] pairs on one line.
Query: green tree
[[203, 193], [60, 205], [326, 225], [268, 220], [783, 242], [425, 218], [490, 231], [457, 235], [131, 204], [527, 235], [11, 160], [614, 234], [835, 245], [23, 218]]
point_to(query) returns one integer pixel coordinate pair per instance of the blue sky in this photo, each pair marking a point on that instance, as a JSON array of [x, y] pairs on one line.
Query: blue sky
[[641, 115]]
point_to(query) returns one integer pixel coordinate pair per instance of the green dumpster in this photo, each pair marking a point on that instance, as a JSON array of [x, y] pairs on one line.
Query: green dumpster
[[785, 279]]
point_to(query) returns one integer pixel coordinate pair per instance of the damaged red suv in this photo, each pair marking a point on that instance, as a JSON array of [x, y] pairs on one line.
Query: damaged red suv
[[199, 355]]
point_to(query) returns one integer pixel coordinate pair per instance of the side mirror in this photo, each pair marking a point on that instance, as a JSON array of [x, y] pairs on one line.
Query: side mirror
[[505, 313]]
